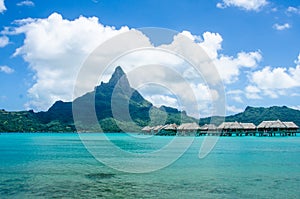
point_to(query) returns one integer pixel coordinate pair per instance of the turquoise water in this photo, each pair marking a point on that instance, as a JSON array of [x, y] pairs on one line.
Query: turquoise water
[[59, 166]]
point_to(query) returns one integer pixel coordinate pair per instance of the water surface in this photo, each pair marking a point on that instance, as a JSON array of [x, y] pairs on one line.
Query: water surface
[[58, 165]]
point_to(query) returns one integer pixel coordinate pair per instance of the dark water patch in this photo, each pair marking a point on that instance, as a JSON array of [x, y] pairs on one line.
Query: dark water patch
[[99, 176], [222, 190], [11, 187]]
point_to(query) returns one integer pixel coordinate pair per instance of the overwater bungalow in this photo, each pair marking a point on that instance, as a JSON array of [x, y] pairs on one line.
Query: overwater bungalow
[[265, 128], [188, 129], [147, 130], [230, 128], [291, 128], [237, 128], [271, 128], [249, 129], [208, 129], [168, 129], [156, 129]]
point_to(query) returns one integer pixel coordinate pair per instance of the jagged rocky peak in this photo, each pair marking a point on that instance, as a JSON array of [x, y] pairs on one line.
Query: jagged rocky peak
[[117, 76]]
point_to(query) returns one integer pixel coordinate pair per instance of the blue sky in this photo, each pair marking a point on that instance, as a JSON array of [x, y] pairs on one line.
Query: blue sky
[[256, 43]]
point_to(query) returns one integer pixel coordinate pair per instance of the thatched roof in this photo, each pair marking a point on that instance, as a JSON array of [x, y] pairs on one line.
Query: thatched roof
[[170, 127], [248, 126], [157, 128], [208, 127], [290, 125], [147, 128], [271, 124], [188, 126], [230, 125]]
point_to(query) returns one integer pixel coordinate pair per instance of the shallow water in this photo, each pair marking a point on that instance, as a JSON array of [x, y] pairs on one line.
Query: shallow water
[[59, 166]]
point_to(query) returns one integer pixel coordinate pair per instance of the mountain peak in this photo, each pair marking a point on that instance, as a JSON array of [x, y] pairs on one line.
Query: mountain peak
[[117, 76]]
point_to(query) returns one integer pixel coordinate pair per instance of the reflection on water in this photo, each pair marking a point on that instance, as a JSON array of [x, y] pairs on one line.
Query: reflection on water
[[56, 166]]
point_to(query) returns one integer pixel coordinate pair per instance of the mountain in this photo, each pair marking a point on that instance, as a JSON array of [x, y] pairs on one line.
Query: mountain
[[258, 114], [116, 93]]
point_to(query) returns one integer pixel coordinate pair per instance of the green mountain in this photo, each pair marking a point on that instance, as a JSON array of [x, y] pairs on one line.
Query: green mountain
[[116, 93], [258, 114]]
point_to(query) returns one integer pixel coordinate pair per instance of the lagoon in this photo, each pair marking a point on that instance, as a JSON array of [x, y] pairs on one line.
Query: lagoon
[[59, 166]]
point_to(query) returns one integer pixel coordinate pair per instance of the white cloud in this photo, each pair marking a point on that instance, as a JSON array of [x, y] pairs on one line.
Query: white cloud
[[4, 41], [234, 109], [281, 26], [2, 6], [297, 107], [234, 92], [293, 10], [159, 100], [255, 5], [6, 69], [273, 82], [212, 43], [252, 92], [188, 34], [227, 66], [235, 95], [238, 99], [276, 78], [26, 3], [55, 48]]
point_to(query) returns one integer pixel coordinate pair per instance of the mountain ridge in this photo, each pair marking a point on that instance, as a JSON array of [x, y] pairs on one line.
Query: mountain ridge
[[258, 114], [116, 93], [59, 117]]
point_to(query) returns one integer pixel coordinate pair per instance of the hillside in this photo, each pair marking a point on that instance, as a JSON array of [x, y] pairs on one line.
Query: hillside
[[258, 114], [59, 117]]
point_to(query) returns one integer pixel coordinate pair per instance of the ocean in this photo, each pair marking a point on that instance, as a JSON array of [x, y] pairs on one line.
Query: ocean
[[60, 166]]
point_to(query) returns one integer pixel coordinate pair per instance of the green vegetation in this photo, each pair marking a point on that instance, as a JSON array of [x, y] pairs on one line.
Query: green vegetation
[[28, 121], [259, 114], [117, 93]]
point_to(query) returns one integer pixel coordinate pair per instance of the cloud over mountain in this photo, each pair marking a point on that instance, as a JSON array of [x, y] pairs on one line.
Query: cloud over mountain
[[56, 49]]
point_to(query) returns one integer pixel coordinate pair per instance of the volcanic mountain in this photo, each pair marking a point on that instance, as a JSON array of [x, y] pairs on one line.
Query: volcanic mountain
[[110, 102]]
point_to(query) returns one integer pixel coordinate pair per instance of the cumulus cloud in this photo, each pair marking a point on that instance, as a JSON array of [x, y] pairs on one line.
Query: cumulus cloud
[[255, 5], [276, 78], [55, 48], [212, 43], [273, 82], [4, 41], [6, 69], [281, 26], [26, 3], [228, 66], [2, 6]]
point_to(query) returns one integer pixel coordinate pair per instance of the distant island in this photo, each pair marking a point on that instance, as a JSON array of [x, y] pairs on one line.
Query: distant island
[[59, 117]]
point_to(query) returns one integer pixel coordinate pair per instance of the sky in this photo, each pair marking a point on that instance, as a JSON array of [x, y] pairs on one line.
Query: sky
[[253, 44]]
